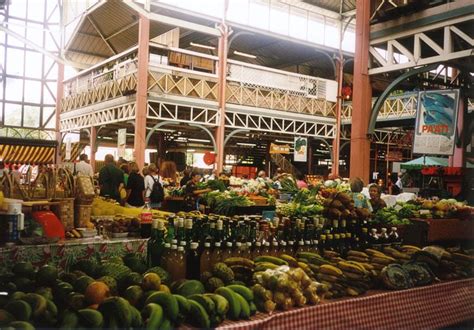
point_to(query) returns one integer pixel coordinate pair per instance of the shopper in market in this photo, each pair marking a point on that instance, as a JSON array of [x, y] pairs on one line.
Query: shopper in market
[[154, 193], [360, 201], [190, 199], [110, 179], [300, 181], [135, 187], [186, 177], [377, 203], [83, 167]]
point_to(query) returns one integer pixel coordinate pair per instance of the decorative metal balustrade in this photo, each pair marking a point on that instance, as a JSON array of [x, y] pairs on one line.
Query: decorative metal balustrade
[[395, 107]]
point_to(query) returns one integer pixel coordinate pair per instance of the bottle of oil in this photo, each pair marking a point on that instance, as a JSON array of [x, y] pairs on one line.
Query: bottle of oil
[[180, 264], [193, 264], [205, 259], [216, 254]]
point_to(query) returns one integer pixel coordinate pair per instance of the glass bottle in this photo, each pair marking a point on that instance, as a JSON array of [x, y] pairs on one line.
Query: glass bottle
[[228, 251], [275, 249], [205, 258], [266, 249], [384, 240], [394, 238], [170, 228], [156, 244], [374, 239], [322, 243], [291, 248], [329, 243], [166, 256], [172, 262], [216, 254], [257, 250], [180, 263], [193, 263]]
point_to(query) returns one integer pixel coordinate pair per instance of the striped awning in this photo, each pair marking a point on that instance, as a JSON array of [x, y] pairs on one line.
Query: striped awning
[[76, 150], [25, 151]]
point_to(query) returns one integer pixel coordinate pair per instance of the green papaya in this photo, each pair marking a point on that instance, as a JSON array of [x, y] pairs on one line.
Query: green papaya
[[70, 320], [20, 309], [116, 308], [90, 318]]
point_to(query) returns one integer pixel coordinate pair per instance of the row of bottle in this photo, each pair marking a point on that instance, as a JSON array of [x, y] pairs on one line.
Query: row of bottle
[[254, 229], [187, 259]]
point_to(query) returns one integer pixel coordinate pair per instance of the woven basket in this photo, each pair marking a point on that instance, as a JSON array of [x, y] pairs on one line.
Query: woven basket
[[65, 212], [82, 216]]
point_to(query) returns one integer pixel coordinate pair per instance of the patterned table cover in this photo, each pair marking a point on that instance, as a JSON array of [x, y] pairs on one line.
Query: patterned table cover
[[433, 306], [64, 254]]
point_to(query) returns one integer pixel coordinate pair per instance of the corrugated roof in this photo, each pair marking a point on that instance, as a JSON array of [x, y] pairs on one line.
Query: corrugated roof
[[333, 5]]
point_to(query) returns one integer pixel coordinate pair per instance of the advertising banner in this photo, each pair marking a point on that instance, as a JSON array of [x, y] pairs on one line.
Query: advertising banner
[[279, 149], [301, 149], [436, 122]]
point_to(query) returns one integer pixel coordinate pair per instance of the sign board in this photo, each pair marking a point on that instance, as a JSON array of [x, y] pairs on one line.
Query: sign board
[[279, 149], [436, 122], [68, 149], [121, 142], [301, 149], [394, 155]]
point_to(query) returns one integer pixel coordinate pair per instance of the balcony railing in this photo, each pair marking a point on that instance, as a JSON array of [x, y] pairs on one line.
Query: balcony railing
[[395, 107], [189, 74]]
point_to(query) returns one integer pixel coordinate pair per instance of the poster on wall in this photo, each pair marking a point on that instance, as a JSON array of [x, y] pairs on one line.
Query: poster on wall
[[121, 142], [279, 149], [436, 122], [301, 149]]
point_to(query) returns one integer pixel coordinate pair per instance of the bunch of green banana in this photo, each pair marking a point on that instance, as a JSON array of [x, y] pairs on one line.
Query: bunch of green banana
[[243, 268], [263, 263]]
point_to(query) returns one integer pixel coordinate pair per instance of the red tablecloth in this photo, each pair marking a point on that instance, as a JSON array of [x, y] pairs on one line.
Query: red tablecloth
[[430, 307]]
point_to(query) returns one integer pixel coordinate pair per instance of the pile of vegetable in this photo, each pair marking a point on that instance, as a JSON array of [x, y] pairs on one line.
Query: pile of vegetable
[[226, 202]]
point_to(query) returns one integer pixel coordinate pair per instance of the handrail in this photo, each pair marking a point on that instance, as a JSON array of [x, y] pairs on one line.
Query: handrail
[[265, 68], [95, 66]]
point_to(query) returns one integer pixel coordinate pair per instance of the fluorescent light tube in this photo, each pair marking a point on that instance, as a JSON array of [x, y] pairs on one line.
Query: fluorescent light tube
[[202, 46], [244, 54], [246, 144]]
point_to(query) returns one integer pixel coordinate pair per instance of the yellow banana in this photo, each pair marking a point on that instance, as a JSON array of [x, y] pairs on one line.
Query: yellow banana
[[344, 265], [354, 276], [373, 252], [385, 260], [352, 292], [327, 278], [357, 254], [330, 270], [353, 258], [289, 259]]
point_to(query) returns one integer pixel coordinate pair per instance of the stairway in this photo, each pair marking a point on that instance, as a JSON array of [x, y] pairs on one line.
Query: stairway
[[284, 164]]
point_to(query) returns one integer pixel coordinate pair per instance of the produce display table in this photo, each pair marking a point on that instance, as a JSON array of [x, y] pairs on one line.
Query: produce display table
[[433, 306], [65, 253], [447, 229]]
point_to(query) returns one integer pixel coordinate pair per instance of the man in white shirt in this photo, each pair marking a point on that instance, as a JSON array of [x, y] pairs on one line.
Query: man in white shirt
[[149, 182], [83, 167], [399, 183]]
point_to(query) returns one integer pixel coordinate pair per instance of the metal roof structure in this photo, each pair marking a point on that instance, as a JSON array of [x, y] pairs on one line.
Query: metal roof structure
[[111, 27]]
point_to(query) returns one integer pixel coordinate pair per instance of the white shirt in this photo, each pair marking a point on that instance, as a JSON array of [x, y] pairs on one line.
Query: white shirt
[[399, 183], [84, 168], [149, 181]]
